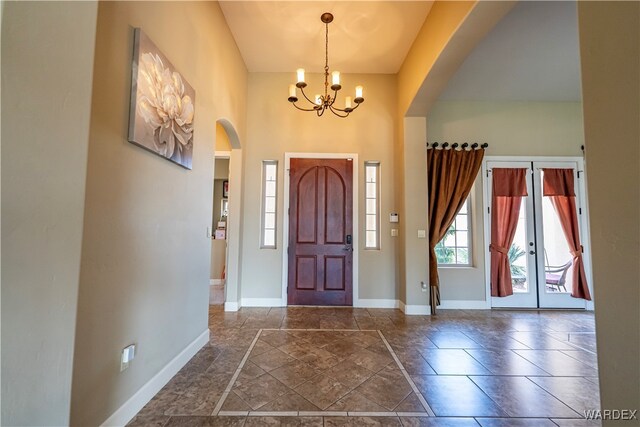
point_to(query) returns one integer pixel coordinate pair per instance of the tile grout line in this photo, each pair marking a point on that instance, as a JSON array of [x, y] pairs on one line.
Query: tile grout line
[[407, 377], [575, 346], [224, 396], [321, 414]]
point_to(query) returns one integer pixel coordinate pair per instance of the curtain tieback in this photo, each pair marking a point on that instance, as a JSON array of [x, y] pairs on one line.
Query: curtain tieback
[[578, 253], [496, 248]]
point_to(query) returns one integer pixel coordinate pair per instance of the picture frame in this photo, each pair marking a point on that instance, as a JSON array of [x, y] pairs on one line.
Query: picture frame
[[225, 189], [162, 104]]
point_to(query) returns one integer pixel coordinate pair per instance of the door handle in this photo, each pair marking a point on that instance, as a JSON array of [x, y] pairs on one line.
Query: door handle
[[532, 252], [347, 248]]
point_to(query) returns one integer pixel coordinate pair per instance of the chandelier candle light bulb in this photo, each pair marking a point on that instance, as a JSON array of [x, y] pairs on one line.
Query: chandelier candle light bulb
[[321, 103]]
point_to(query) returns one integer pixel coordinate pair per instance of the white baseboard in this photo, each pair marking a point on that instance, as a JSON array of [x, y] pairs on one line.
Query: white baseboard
[[407, 309], [261, 302], [216, 282], [131, 407], [463, 305], [415, 310], [376, 303], [231, 306]]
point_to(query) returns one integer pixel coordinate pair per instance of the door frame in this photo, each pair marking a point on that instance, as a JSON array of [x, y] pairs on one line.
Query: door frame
[[585, 235], [285, 220]]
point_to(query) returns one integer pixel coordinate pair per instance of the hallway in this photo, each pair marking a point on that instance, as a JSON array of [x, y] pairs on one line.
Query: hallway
[[352, 366]]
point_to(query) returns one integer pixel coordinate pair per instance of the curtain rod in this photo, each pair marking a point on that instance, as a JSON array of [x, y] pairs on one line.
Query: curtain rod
[[456, 145]]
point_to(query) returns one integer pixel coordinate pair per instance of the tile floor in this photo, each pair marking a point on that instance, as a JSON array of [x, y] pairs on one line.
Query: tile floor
[[307, 366]]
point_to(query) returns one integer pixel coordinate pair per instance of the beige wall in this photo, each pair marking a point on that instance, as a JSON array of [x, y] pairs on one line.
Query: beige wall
[[276, 127], [221, 170], [450, 32], [415, 206], [146, 256], [222, 140], [441, 24], [47, 63], [610, 55], [511, 129]]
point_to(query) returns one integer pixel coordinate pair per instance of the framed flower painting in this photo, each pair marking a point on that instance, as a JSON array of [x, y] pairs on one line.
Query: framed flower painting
[[162, 104]]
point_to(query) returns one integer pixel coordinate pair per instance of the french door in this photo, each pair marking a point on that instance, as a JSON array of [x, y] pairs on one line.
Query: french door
[[539, 257]]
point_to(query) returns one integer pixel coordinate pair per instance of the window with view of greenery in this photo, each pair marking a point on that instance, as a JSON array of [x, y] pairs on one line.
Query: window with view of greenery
[[455, 247]]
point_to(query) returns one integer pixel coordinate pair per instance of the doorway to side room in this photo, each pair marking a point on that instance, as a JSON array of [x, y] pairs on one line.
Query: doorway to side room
[[220, 217], [219, 227]]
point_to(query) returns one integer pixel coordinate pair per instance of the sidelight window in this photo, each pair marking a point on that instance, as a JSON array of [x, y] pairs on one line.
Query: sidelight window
[[372, 205], [269, 186]]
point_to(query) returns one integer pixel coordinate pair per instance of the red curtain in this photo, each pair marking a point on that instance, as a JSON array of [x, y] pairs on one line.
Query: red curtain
[[509, 186], [450, 176], [557, 184]]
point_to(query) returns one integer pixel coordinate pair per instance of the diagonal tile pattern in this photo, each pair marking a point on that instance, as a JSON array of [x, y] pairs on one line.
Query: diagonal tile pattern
[[322, 366]]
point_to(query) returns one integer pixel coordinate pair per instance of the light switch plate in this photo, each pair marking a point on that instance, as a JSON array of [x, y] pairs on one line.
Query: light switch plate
[[128, 353], [422, 234], [394, 232]]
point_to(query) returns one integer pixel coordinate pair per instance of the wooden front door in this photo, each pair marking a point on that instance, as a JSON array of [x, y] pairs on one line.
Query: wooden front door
[[320, 232]]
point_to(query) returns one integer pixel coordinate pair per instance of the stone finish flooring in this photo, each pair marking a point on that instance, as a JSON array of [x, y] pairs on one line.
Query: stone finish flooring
[[308, 366]]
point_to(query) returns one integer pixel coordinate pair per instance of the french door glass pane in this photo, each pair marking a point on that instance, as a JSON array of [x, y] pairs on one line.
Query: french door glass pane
[[518, 253], [557, 258]]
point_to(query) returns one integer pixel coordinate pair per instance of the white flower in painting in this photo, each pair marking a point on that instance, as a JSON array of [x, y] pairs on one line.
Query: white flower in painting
[[164, 106]]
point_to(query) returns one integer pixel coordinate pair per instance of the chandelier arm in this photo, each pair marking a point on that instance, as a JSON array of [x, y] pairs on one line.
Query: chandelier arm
[[345, 110], [320, 111], [335, 96], [307, 98], [303, 109], [337, 111]]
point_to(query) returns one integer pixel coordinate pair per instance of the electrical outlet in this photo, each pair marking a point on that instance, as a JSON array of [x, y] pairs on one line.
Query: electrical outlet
[[128, 353], [423, 287], [422, 234]]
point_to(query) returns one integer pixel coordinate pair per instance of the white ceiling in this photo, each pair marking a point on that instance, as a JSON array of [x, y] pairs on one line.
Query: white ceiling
[[365, 36], [531, 55]]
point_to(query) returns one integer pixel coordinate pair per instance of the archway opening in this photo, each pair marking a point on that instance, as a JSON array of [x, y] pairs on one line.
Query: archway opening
[[226, 215]]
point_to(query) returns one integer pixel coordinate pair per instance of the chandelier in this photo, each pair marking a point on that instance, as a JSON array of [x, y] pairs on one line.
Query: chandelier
[[322, 103]]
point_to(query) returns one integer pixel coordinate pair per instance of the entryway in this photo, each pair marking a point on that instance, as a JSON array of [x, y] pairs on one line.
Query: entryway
[[543, 254], [219, 227], [226, 215], [321, 238]]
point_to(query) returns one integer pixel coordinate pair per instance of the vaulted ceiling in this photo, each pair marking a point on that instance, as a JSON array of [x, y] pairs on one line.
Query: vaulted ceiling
[[365, 36], [531, 55]]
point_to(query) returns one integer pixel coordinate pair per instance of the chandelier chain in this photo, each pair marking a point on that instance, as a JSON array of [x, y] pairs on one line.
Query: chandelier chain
[[326, 60]]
